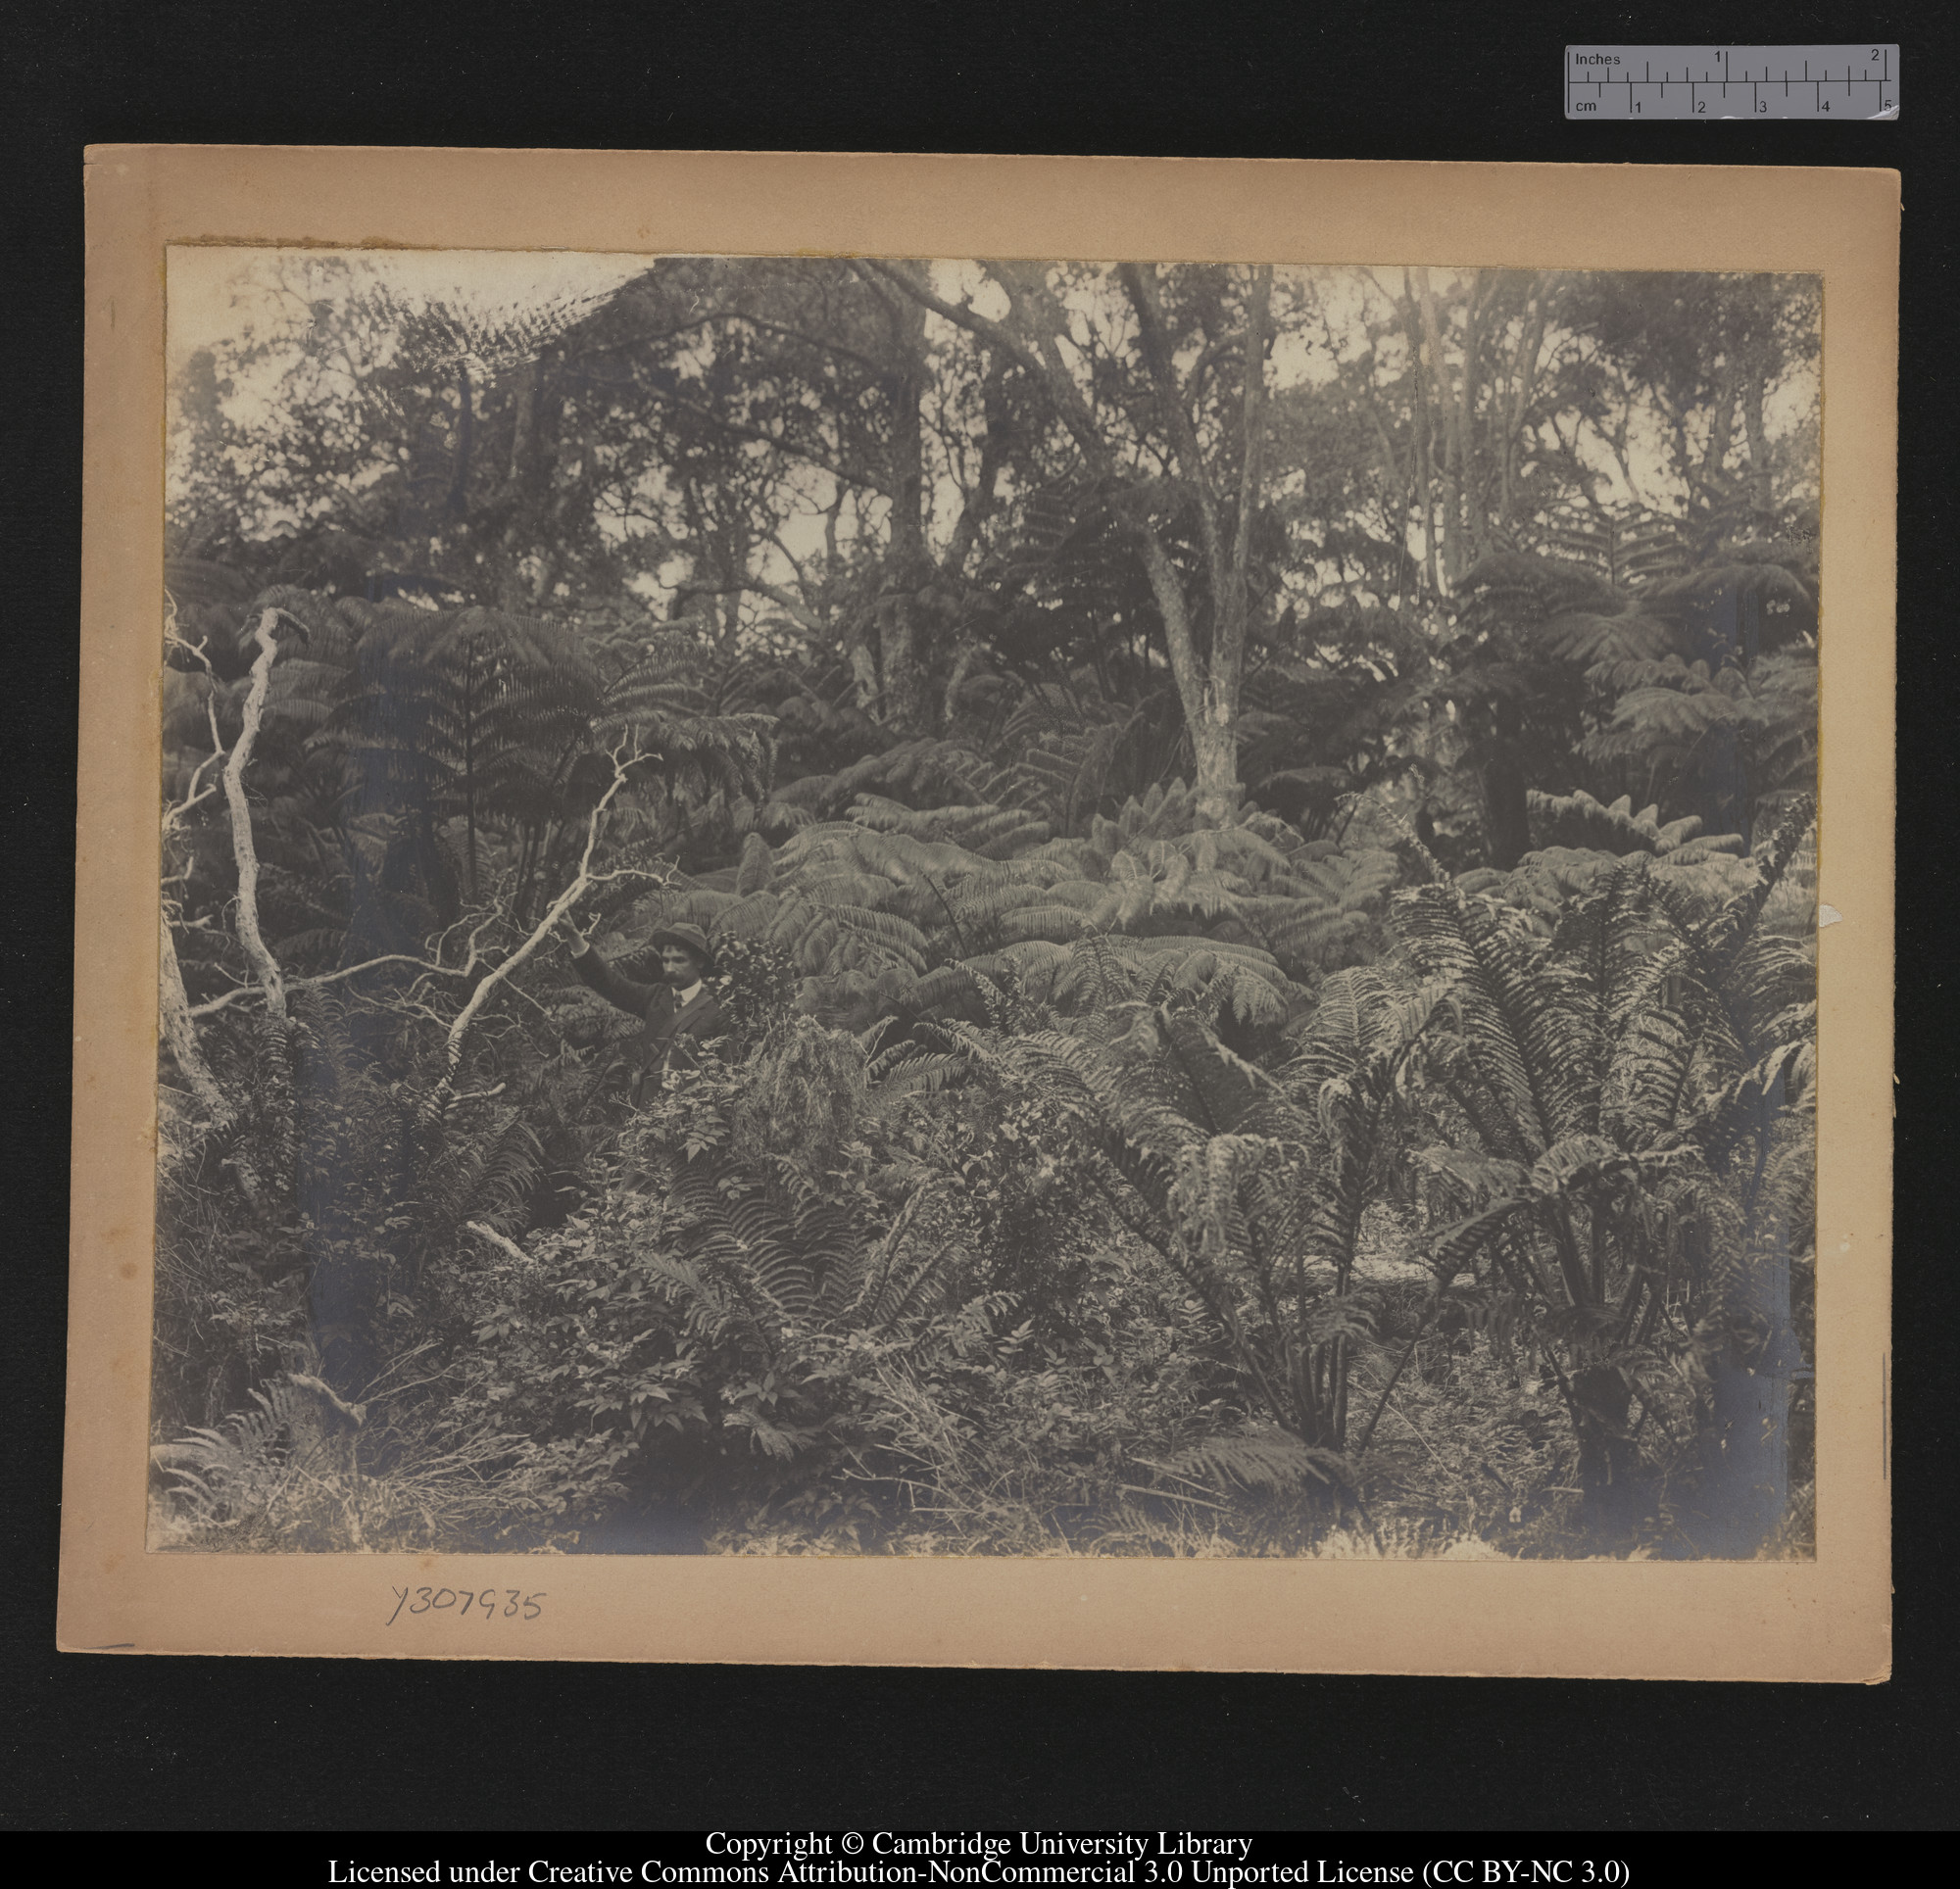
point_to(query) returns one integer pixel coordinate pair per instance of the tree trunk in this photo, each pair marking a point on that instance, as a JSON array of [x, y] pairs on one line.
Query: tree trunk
[[1615, 1500], [1215, 739], [1212, 702], [863, 667], [1524, 377], [906, 699], [457, 505], [1744, 1486], [1469, 519], [1446, 406], [1506, 813], [1721, 429], [1028, 338], [1761, 494], [179, 1029], [244, 852], [1423, 451], [1234, 600]]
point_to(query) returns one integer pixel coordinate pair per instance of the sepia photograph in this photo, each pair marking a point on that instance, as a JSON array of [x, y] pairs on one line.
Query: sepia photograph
[[984, 911], [893, 906]]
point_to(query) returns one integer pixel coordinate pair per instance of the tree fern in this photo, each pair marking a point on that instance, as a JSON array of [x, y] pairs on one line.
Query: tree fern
[[1522, 1029]]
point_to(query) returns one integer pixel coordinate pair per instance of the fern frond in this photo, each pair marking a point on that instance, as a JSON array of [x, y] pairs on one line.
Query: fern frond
[[1265, 1462], [1521, 1009]]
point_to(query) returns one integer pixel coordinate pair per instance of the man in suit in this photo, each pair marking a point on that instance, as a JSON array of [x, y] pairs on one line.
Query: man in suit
[[682, 1018]]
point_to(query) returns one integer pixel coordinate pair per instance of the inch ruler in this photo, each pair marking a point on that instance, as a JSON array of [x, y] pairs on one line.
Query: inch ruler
[[1829, 83]]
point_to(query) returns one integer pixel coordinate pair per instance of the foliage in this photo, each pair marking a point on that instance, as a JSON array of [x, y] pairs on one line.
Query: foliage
[[1264, 919]]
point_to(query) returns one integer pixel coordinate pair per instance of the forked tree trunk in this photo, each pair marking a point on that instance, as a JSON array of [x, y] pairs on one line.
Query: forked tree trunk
[[1207, 688]]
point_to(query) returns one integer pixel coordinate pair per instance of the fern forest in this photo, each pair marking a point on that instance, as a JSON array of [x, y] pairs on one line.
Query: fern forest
[[1218, 864]]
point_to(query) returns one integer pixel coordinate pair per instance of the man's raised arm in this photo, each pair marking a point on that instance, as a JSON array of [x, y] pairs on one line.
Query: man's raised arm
[[612, 985]]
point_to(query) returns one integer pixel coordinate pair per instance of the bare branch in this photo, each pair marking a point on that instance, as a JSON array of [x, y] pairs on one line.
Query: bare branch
[[798, 612], [491, 1236], [194, 794], [224, 1001], [1042, 361], [581, 882], [793, 448], [1155, 341], [256, 953]]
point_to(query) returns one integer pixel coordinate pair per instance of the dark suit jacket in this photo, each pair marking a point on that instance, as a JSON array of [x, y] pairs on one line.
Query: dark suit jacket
[[674, 1032]]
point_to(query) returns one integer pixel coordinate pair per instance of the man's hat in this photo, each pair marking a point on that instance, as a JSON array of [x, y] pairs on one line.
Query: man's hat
[[690, 938]]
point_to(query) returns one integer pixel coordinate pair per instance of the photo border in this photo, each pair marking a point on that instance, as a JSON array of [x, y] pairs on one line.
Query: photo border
[[1828, 1618]]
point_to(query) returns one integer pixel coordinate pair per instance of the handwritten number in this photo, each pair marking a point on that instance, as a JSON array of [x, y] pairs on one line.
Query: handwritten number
[[519, 1604]]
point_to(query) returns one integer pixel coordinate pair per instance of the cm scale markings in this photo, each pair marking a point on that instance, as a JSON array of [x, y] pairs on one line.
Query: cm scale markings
[[1829, 82]]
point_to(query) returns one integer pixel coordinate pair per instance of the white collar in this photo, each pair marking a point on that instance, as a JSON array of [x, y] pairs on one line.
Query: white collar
[[684, 997]]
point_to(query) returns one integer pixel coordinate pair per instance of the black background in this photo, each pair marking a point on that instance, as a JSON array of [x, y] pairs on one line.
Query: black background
[[95, 1744]]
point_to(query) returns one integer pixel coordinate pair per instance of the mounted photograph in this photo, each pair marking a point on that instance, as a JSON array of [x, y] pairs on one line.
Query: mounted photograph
[[897, 907], [1018, 912]]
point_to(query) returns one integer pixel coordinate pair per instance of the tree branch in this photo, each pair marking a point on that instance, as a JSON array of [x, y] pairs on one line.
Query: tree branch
[[1176, 416], [243, 850], [491, 1236], [776, 595], [559, 906], [787, 446], [1041, 362]]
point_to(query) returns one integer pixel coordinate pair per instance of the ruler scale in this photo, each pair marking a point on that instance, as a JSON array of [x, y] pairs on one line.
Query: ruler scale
[[1833, 84]]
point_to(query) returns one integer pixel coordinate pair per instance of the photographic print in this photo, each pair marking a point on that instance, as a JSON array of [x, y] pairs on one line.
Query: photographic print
[[867, 937], [882, 906]]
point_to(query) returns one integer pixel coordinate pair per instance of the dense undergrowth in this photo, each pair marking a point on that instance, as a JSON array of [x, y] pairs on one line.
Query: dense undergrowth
[[1448, 1255]]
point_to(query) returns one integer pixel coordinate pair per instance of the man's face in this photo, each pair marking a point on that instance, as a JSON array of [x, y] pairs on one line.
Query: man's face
[[679, 966]]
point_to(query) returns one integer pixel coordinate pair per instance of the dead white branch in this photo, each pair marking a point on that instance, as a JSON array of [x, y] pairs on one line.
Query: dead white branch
[[174, 1006], [429, 967], [508, 1248], [245, 991], [581, 882], [264, 966]]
